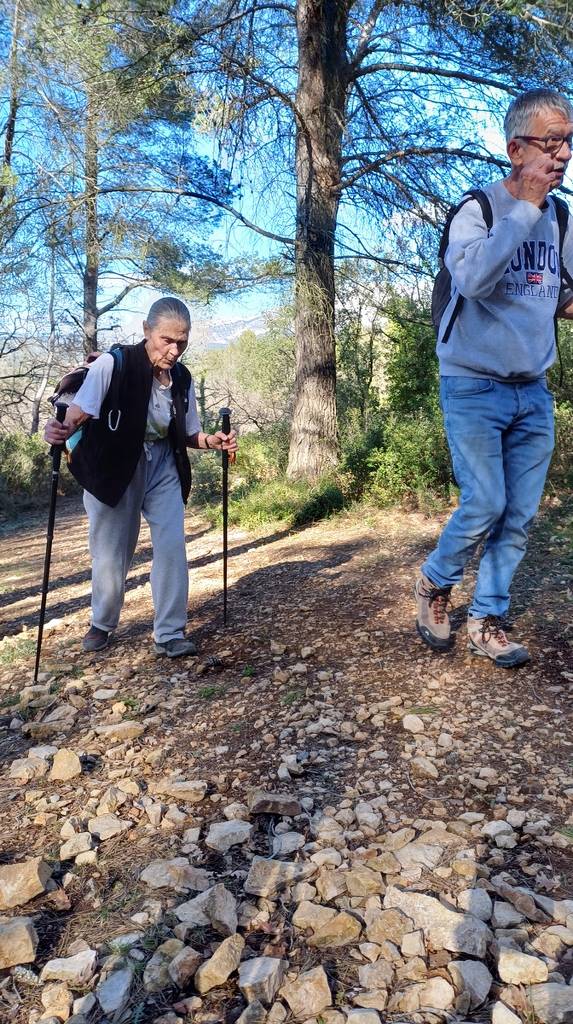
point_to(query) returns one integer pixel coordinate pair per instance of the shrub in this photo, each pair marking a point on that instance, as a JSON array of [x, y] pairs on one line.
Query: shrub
[[356, 465], [262, 458], [411, 370], [263, 455], [206, 478], [414, 464], [25, 472], [322, 500], [561, 471], [293, 503]]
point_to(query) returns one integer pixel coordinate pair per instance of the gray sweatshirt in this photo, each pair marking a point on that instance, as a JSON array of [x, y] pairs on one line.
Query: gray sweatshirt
[[510, 281]]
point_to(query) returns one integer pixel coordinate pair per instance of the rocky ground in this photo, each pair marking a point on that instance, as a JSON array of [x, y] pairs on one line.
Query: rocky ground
[[316, 820]]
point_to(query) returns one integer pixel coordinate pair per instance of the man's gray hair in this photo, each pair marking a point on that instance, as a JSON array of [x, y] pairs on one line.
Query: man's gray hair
[[168, 308], [528, 104]]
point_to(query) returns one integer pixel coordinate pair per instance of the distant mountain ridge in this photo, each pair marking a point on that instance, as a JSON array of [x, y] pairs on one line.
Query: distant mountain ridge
[[217, 333]]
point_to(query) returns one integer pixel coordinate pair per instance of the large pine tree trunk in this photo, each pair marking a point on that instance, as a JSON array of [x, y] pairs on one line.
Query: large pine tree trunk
[[320, 103], [92, 245]]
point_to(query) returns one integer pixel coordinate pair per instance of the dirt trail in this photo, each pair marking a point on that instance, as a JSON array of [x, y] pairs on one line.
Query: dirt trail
[[320, 633]]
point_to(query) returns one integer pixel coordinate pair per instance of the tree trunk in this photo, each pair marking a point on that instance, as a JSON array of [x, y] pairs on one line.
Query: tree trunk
[[92, 246], [320, 105], [41, 390], [10, 129]]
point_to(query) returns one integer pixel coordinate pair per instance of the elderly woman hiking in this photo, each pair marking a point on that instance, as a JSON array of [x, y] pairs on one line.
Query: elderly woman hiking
[[132, 459]]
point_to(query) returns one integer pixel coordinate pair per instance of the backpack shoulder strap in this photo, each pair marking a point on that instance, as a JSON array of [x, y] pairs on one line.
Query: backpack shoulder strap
[[114, 414], [562, 214], [485, 206]]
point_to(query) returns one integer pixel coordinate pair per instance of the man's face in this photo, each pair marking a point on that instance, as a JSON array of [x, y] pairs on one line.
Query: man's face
[[165, 342], [549, 134]]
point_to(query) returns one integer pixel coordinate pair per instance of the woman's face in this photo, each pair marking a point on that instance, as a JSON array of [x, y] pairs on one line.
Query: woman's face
[[165, 342]]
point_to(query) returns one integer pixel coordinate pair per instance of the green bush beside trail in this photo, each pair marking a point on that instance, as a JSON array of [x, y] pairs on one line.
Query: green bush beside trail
[[25, 473]]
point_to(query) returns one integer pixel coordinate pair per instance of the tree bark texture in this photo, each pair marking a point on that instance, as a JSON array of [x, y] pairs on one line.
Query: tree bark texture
[[13, 103], [320, 117], [92, 244]]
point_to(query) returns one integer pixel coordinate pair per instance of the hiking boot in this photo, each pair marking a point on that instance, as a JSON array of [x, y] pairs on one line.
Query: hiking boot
[[95, 640], [179, 647], [432, 620], [487, 637]]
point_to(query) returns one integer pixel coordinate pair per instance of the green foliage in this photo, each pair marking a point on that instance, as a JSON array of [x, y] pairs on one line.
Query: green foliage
[[412, 368], [356, 461], [560, 376], [358, 354], [414, 464], [25, 472], [257, 370], [561, 471], [263, 456], [293, 503], [206, 479]]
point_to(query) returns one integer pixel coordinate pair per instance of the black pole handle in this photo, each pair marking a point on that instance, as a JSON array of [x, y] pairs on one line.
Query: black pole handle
[[225, 415], [57, 449]]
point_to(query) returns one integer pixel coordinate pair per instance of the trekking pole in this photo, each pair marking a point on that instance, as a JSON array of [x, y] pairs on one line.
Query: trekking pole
[[225, 415], [56, 454]]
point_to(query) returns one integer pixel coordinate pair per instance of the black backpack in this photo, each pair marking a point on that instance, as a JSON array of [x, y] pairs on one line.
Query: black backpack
[[72, 381], [442, 290]]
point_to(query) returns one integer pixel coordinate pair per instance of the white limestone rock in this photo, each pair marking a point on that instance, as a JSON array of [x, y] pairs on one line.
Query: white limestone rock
[[18, 942], [473, 977], [22, 881], [222, 835], [516, 968], [177, 874], [443, 928], [216, 907], [261, 978], [308, 995], [221, 965], [75, 970], [113, 993], [65, 766]]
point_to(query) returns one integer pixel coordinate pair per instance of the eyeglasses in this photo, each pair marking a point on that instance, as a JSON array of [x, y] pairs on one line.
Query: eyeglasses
[[550, 144]]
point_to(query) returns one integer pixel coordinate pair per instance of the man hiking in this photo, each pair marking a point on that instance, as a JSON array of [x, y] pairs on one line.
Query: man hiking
[[498, 410]]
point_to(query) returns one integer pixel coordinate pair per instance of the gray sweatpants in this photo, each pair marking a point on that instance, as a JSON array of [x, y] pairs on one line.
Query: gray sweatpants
[[154, 491]]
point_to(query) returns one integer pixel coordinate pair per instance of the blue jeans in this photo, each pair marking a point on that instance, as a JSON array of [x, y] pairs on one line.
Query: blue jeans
[[501, 439]]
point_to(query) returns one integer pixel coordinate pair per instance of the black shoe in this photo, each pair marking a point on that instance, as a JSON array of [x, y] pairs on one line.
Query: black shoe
[[179, 647], [95, 640]]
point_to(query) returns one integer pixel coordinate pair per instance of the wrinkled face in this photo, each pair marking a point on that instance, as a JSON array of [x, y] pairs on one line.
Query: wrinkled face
[[549, 133], [165, 342]]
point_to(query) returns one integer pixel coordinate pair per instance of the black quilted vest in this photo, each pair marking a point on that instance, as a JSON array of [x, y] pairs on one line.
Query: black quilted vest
[[105, 459]]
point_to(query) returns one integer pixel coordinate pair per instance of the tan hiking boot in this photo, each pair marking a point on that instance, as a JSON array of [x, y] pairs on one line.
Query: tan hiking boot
[[432, 620], [487, 637]]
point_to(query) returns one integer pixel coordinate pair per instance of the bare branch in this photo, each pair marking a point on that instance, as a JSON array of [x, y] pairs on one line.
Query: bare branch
[[438, 72], [201, 197], [404, 154]]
